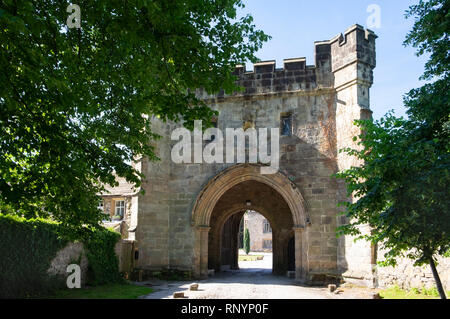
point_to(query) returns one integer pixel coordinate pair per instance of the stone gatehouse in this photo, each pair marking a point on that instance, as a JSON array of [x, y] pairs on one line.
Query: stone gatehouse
[[181, 217]]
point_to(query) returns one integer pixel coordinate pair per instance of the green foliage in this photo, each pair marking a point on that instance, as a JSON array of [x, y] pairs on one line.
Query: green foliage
[[72, 100], [401, 190], [163, 274], [430, 292], [247, 241], [110, 291], [103, 262], [430, 34], [396, 292], [27, 248], [415, 291]]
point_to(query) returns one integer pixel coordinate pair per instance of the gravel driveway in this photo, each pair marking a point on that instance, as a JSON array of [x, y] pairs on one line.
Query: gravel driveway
[[254, 280]]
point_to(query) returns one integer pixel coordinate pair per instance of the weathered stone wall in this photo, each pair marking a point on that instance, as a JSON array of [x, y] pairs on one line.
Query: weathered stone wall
[[73, 253], [352, 62], [124, 250], [407, 276]]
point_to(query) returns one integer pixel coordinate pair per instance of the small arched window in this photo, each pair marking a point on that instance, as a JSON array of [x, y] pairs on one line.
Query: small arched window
[[266, 226], [286, 125]]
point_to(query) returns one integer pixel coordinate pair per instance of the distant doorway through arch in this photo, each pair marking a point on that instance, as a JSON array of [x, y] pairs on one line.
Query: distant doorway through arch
[[260, 243], [232, 253]]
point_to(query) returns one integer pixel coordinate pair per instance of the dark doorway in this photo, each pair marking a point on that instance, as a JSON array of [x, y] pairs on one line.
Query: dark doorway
[[241, 234], [291, 254]]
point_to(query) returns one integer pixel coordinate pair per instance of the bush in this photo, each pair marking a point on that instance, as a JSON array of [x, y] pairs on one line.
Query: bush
[[103, 263], [246, 241]]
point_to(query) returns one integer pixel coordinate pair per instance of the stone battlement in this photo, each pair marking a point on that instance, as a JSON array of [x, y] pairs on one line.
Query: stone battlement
[[267, 67], [355, 45], [265, 77]]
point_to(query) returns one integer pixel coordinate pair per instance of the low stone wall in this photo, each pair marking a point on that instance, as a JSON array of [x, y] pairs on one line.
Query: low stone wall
[[406, 276], [359, 267], [125, 252], [120, 227], [74, 253]]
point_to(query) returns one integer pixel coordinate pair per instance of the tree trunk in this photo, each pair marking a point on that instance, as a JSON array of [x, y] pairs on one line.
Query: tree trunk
[[436, 278]]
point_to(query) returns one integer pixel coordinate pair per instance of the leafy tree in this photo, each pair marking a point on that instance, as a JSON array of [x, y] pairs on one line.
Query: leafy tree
[[401, 191], [246, 241], [76, 103]]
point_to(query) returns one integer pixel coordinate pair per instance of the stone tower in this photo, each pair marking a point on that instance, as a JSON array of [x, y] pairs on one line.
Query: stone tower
[[189, 209]]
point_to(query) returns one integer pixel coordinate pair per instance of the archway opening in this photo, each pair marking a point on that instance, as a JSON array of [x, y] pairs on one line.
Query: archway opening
[[263, 209], [225, 199]]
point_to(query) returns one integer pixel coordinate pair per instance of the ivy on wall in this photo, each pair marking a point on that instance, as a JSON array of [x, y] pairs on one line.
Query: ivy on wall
[[103, 263], [27, 247]]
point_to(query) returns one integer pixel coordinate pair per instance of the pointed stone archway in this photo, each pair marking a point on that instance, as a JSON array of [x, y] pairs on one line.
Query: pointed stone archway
[[231, 177]]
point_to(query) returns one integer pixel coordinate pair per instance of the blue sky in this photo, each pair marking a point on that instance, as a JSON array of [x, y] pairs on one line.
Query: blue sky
[[295, 24]]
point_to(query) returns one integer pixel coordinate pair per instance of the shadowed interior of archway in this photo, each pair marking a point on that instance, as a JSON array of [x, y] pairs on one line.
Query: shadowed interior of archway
[[227, 215]]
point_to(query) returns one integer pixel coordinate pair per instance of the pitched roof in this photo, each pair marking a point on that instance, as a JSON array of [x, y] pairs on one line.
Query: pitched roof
[[123, 189]]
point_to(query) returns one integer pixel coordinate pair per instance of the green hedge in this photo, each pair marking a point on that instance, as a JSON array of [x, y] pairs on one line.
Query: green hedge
[[27, 247], [103, 262]]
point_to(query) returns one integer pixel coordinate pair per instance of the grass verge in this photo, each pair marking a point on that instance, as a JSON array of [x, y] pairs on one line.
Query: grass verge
[[396, 292], [250, 257], [113, 291]]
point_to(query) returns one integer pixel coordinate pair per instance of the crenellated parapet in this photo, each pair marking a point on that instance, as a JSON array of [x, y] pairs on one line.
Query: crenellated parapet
[[353, 57], [355, 47], [266, 78]]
